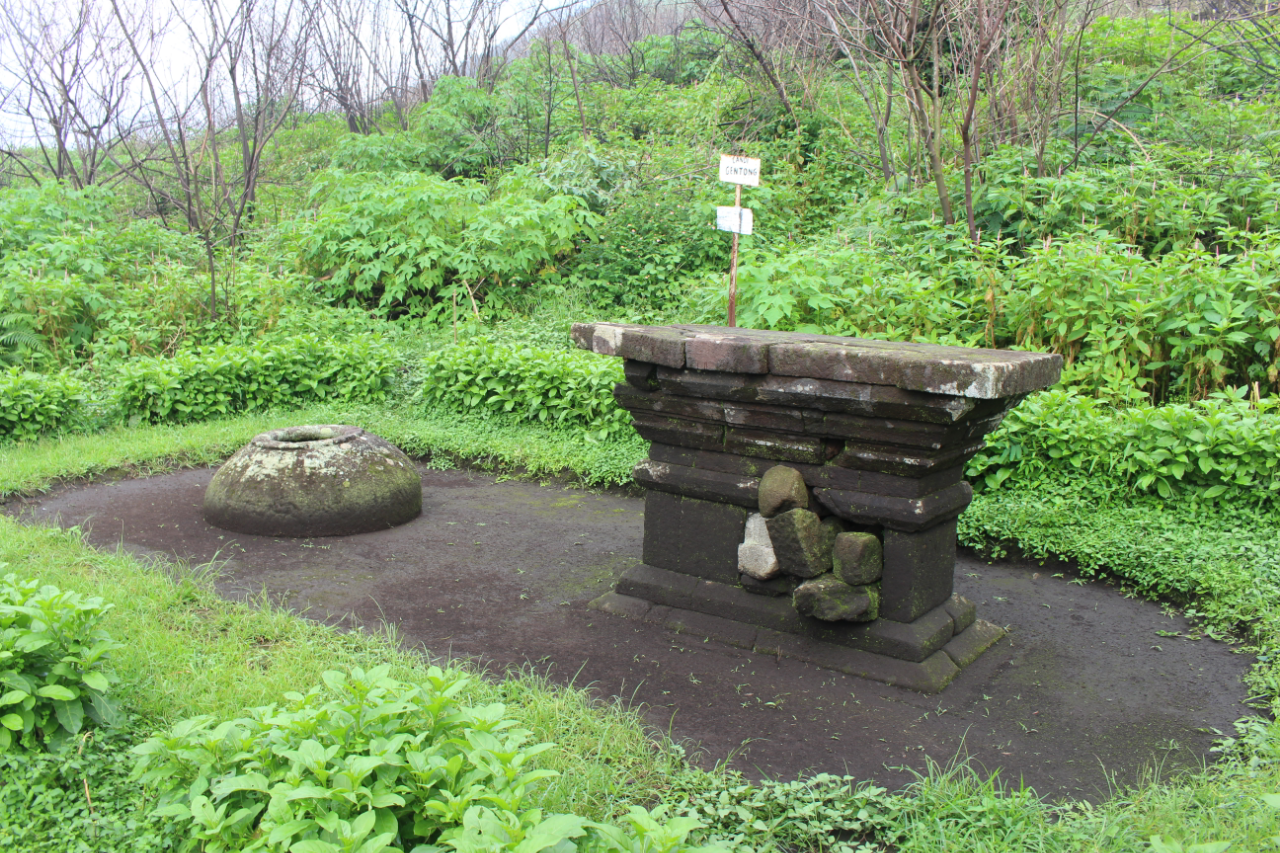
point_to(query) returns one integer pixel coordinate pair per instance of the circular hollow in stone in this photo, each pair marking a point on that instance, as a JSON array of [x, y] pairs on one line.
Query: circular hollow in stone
[[326, 480]]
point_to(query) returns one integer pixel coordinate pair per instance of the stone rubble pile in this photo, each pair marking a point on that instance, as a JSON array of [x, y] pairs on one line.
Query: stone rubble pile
[[831, 573]]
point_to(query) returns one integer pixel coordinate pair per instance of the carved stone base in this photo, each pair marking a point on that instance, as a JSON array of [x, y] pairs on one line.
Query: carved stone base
[[923, 655]]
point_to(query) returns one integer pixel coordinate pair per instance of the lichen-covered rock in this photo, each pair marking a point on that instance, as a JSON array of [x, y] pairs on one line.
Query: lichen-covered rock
[[832, 600], [782, 489], [314, 481], [858, 558], [802, 542], [755, 555]]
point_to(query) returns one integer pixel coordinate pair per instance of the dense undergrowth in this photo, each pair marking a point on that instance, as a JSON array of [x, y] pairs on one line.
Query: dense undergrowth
[[1145, 249]]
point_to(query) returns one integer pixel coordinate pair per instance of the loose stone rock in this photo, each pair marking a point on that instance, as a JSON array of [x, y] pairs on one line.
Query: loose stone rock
[[832, 600], [858, 558], [756, 558], [801, 542], [781, 489]]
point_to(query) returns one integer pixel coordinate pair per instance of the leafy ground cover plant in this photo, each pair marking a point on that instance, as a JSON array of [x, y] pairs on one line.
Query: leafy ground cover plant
[[80, 797], [221, 380], [1225, 448], [32, 404], [563, 388], [369, 763], [839, 813], [53, 663]]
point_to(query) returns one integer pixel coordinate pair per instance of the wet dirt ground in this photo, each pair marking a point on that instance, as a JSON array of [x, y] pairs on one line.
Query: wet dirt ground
[[1088, 684]]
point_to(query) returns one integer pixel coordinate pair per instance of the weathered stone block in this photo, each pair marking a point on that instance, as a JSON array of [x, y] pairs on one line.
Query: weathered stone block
[[857, 558], [708, 384], [730, 353], [697, 483], [929, 675], [755, 555], [782, 489], [906, 640], [907, 514], [962, 612], [641, 375], [956, 371], [802, 542], [918, 571], [903, 462], [661, 403], [832, 600], [691, 536], [827, 476], [732, 602], [914, 641], [876, 401], [965, 648], [653, 344], [659, 586], [756, 416], [776, 445], [678, 431]]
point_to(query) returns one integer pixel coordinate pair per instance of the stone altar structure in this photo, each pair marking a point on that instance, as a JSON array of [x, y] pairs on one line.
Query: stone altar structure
[[803, 490]]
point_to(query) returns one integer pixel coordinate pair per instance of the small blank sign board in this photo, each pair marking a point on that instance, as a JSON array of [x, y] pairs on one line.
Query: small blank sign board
[[735, 219], [740, 170]]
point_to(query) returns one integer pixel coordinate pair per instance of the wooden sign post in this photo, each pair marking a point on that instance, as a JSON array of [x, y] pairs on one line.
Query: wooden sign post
[[737, 219]]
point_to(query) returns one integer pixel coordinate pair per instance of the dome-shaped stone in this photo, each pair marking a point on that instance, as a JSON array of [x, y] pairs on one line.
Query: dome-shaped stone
[[314, 481]]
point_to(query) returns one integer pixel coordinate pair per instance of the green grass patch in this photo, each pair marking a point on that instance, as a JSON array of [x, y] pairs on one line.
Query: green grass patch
[[495, 442], [187, 652]]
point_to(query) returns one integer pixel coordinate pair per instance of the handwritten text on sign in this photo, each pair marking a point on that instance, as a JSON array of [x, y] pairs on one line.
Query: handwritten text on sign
[[740, 170], [735, 219]]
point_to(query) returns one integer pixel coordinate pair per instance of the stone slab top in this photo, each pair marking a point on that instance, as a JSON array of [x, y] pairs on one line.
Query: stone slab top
[[986, 374]]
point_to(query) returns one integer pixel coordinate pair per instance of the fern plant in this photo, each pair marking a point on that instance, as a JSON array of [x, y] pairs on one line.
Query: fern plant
[[18, 334]]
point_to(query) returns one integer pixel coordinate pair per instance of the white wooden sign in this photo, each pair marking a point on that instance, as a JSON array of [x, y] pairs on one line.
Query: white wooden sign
[[737, 220], [740, 170]]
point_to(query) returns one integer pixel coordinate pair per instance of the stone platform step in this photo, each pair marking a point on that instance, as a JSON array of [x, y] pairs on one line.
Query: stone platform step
[[930, 675]]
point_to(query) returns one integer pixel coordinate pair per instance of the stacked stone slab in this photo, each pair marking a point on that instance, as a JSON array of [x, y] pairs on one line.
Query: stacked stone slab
[[867, 439]]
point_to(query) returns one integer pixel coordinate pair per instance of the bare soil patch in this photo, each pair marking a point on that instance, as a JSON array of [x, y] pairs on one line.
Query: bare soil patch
[[1085, 687]]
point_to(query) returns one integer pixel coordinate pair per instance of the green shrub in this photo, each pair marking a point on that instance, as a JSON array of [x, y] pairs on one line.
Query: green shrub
[[1221, 448], [1181, 326], [53, 668], [651, 238], [221, 380], [34, 215], [570, 388], [370, 763], [32, 403], [410, 242]]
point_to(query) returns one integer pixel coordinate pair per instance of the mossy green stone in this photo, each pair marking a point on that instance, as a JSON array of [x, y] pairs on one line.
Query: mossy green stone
[[832, 600], [327, 480], [781, 489], [858, 558], [801, 542]]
